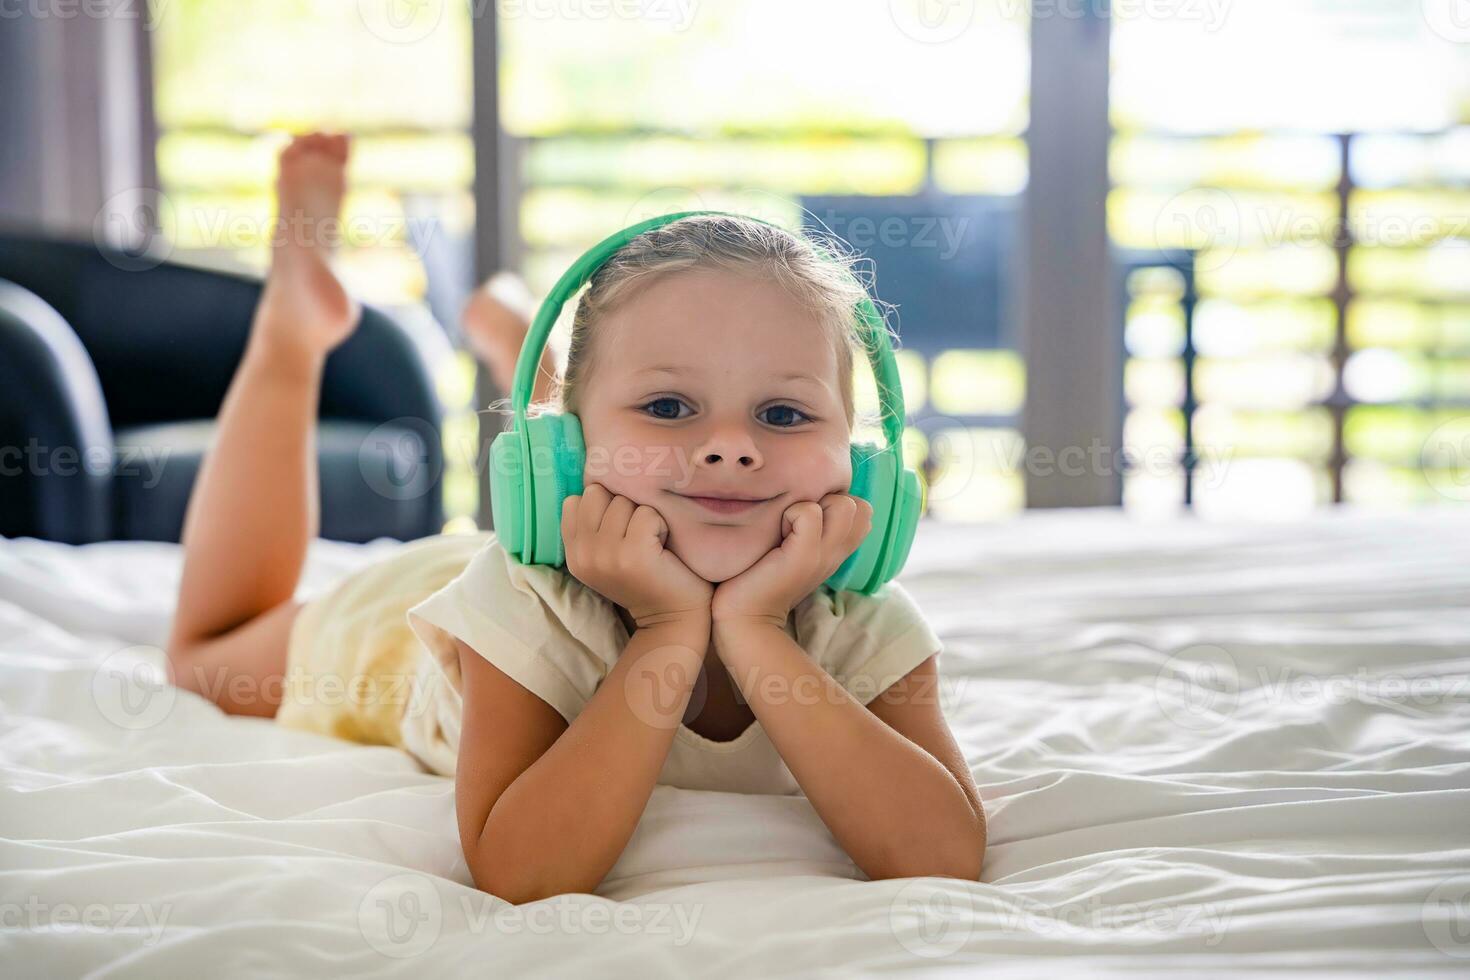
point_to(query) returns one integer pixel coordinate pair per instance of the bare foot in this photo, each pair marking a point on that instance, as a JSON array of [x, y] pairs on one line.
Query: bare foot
[[303, 306], [496, 319]]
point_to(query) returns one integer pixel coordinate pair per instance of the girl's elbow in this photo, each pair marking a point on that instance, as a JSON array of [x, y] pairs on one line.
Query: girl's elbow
[[966, 857], [979, 842], [972, 849], [509, 883], [973, 861], [963, 861], [490, 876], [515, 893]]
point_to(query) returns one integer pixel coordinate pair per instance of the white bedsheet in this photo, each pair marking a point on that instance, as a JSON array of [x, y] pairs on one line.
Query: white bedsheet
[[1202, 748]]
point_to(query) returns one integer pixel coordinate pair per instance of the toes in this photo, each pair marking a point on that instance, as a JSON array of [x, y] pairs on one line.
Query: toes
[[309, 144]]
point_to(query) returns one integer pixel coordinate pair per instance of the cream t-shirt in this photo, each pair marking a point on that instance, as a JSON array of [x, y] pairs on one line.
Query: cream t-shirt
[[559, 638]]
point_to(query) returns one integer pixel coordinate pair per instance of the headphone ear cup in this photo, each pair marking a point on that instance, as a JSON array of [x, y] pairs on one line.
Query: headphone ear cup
[[906, 511], [509, 491], [557, 455], [872, 481]]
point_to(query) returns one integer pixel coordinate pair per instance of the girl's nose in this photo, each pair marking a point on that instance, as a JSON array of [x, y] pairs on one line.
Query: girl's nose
[[729, 444], [712, 458]]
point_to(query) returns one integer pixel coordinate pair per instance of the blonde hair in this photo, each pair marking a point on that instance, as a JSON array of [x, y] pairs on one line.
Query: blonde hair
[[822, 277]]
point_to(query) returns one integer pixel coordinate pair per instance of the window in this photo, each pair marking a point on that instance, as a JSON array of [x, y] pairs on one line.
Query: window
[[1318, 365], [232, 80]]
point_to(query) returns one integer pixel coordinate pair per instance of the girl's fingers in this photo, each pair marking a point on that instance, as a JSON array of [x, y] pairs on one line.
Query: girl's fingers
[[788, 521], [595, 499], [569, 517], [846, 522], [805, 520], [615, 519], [862, 523], [839, 510], [648, 523]]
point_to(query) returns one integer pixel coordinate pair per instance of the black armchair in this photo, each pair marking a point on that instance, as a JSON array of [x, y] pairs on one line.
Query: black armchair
[[112, 370]]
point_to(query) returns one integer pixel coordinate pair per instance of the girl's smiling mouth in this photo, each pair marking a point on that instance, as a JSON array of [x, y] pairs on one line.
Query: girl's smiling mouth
[[725, 505]]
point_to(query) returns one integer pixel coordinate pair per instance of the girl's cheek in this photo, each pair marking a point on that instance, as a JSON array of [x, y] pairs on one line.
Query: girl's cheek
[[839, 469], [626, 473]]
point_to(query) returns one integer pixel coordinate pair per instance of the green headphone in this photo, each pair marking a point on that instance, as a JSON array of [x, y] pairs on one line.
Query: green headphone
[[538, 463]]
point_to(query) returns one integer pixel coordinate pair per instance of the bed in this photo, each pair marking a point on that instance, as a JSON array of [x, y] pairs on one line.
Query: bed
[[1212, 748]]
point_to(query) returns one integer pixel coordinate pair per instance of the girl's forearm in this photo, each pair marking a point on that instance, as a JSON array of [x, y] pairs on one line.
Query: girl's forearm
[[561, 826], [894, 808]]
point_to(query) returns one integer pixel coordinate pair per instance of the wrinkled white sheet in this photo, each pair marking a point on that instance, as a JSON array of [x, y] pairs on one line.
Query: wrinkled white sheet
[[1202, 748]]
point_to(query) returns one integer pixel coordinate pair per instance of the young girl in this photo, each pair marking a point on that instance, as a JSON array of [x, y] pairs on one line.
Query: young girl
[[689, 640]]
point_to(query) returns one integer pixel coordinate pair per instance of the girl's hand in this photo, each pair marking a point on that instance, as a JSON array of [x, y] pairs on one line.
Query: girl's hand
[[617, 548], [815, 540]]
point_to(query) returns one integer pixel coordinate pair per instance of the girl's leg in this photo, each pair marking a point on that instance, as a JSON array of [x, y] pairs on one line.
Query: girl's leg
[[496, 320], [253, 509]]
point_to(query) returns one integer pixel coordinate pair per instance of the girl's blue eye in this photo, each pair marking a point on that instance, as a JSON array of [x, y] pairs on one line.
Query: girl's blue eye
[[676, 403], [787, 408]]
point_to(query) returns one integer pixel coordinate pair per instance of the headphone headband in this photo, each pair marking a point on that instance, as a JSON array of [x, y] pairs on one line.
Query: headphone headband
[[872, 328]]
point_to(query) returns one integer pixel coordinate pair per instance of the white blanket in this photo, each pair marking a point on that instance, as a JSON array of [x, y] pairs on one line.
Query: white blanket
[[1202, 748]]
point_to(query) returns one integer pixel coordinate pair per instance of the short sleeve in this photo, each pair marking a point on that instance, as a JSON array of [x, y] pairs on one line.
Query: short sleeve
[[538, 624], [866, 642]]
